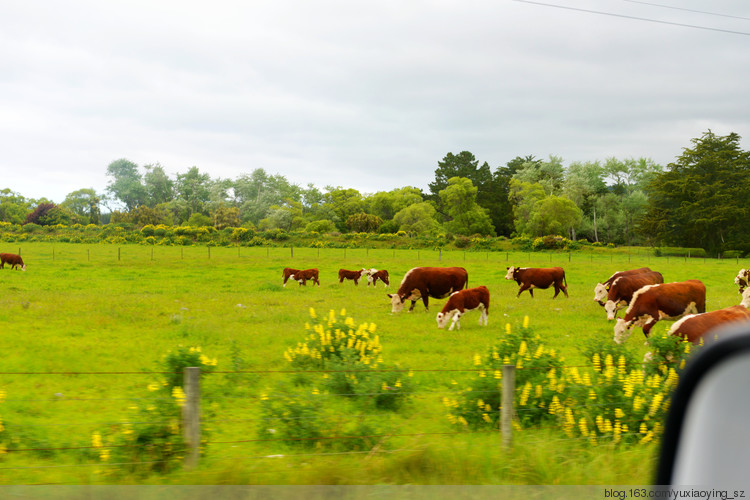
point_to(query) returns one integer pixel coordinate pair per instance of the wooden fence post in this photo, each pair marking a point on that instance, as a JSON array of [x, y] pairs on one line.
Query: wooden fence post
[[118, 253], [506, 408], [191, 419]]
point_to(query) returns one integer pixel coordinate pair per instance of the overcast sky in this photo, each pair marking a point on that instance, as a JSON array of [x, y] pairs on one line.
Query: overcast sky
[[363, 95]]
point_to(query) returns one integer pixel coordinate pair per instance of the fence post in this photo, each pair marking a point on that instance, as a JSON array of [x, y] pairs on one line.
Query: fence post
[[118, 253], [209, 252], [506, 408], [191, 419]]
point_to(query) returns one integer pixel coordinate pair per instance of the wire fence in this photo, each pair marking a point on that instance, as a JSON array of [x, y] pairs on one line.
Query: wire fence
[[239, 431]]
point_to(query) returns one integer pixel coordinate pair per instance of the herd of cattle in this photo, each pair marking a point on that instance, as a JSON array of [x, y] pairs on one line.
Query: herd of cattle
[[641, 292]]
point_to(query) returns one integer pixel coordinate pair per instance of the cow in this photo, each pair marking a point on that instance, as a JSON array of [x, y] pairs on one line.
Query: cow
[[538, 277], [662, 301], [746, 298], [694, 326], [462, 301], [289, 273], [601, 289], [373, 275], [426, 282], [14, 260], [351, 275], [742, 279], [304, 275], [622, 289]]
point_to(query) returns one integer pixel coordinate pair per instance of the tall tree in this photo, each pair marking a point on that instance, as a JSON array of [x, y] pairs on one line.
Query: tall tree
[[126, 184], [700, 201], [195, 189], [84, 203], [466, 216], [159, 187], [13, 207]]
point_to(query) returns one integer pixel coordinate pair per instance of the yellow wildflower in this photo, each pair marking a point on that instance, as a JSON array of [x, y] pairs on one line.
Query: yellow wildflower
[[477, 360], [179, 395], [96, 440], [342, 313], [619, 413], [507, 328], [526, 321], [153, 386], [313, 315]]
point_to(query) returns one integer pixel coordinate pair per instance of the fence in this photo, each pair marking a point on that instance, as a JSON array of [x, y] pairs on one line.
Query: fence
[[193, 422]]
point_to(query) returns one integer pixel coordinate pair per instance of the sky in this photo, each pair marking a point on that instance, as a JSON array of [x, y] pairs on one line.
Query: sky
[[363, 95]]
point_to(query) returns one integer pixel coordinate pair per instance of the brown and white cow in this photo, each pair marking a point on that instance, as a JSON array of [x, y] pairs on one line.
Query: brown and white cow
[[304, 275], [662, 301], [529, 278], [373, 275], [601, 289], [742, 279], [462, 301], [345, 274], [694, 326], [14, 260], [622, 289], [289, 273], [426, 282]]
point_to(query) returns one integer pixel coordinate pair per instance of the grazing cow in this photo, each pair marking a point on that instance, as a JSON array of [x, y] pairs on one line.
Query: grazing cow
[[426, 282], [12, 259], [662, 301], [538, 277], [694, 326], [622, 289], [304, 275], [462, 301], [373, 275], [289, 273], [351, 275], [742, 279], [601, 289]]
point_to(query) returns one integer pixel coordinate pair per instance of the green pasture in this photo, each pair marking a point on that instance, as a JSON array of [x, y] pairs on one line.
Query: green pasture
[[85, 328]]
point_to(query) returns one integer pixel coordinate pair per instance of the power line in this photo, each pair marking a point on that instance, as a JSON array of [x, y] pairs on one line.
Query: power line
[[612, 14], [688, 10]]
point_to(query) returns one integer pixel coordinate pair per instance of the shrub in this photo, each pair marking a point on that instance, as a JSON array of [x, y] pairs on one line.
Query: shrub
[[462, 242]]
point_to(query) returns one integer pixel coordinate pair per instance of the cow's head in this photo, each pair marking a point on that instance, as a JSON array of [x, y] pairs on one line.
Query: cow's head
[[600, 293], [397, 302], [611, 307], [622, 331], [741, 278], [442, 319], [511, 273]]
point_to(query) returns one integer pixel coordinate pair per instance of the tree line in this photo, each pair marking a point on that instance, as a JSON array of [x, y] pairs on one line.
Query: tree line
[[696, 201]]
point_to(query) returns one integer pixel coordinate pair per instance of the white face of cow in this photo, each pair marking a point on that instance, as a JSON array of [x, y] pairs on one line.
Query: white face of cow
[[443, 319], [396, 303], [622, 332], [746, 298], [611, 308], [741, 277], [509, 275], [600, 293]]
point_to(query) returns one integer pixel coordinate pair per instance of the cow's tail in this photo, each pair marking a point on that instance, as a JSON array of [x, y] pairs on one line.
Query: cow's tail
[[565, 281]]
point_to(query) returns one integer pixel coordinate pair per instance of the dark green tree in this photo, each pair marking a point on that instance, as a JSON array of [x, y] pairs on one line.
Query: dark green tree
[[701, 199], [159, 187]]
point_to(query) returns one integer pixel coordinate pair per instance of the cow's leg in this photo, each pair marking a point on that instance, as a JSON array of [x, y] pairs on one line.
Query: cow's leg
[[483, 316], [426, 300], [557, 291], [455, 321], [647, 326], [522, 288], [413, 303]]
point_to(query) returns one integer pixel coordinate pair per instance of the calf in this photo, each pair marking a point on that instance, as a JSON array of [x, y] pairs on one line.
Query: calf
[[351, 275], [622, 289], [538, 277], [289, 273], [373, 275], [663, 301], [462, 301], [601, 289], [694, 326], [14, 260], [306, 274], [742, 279]]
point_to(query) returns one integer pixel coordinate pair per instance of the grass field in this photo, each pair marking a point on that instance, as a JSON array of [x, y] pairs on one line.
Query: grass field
[[90, 309]]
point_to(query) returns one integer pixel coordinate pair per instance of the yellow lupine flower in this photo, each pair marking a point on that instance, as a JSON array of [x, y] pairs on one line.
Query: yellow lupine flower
[[597, 362], [2, 396], [619, 413], [96, 440], [526, 321], [583, 427], [477, 360], [313, 315], [507, 328], [179, 395], [342, 313], [486, 418]]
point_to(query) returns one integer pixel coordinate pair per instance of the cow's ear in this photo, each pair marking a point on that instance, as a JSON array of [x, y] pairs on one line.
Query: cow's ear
[[390, 295]]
